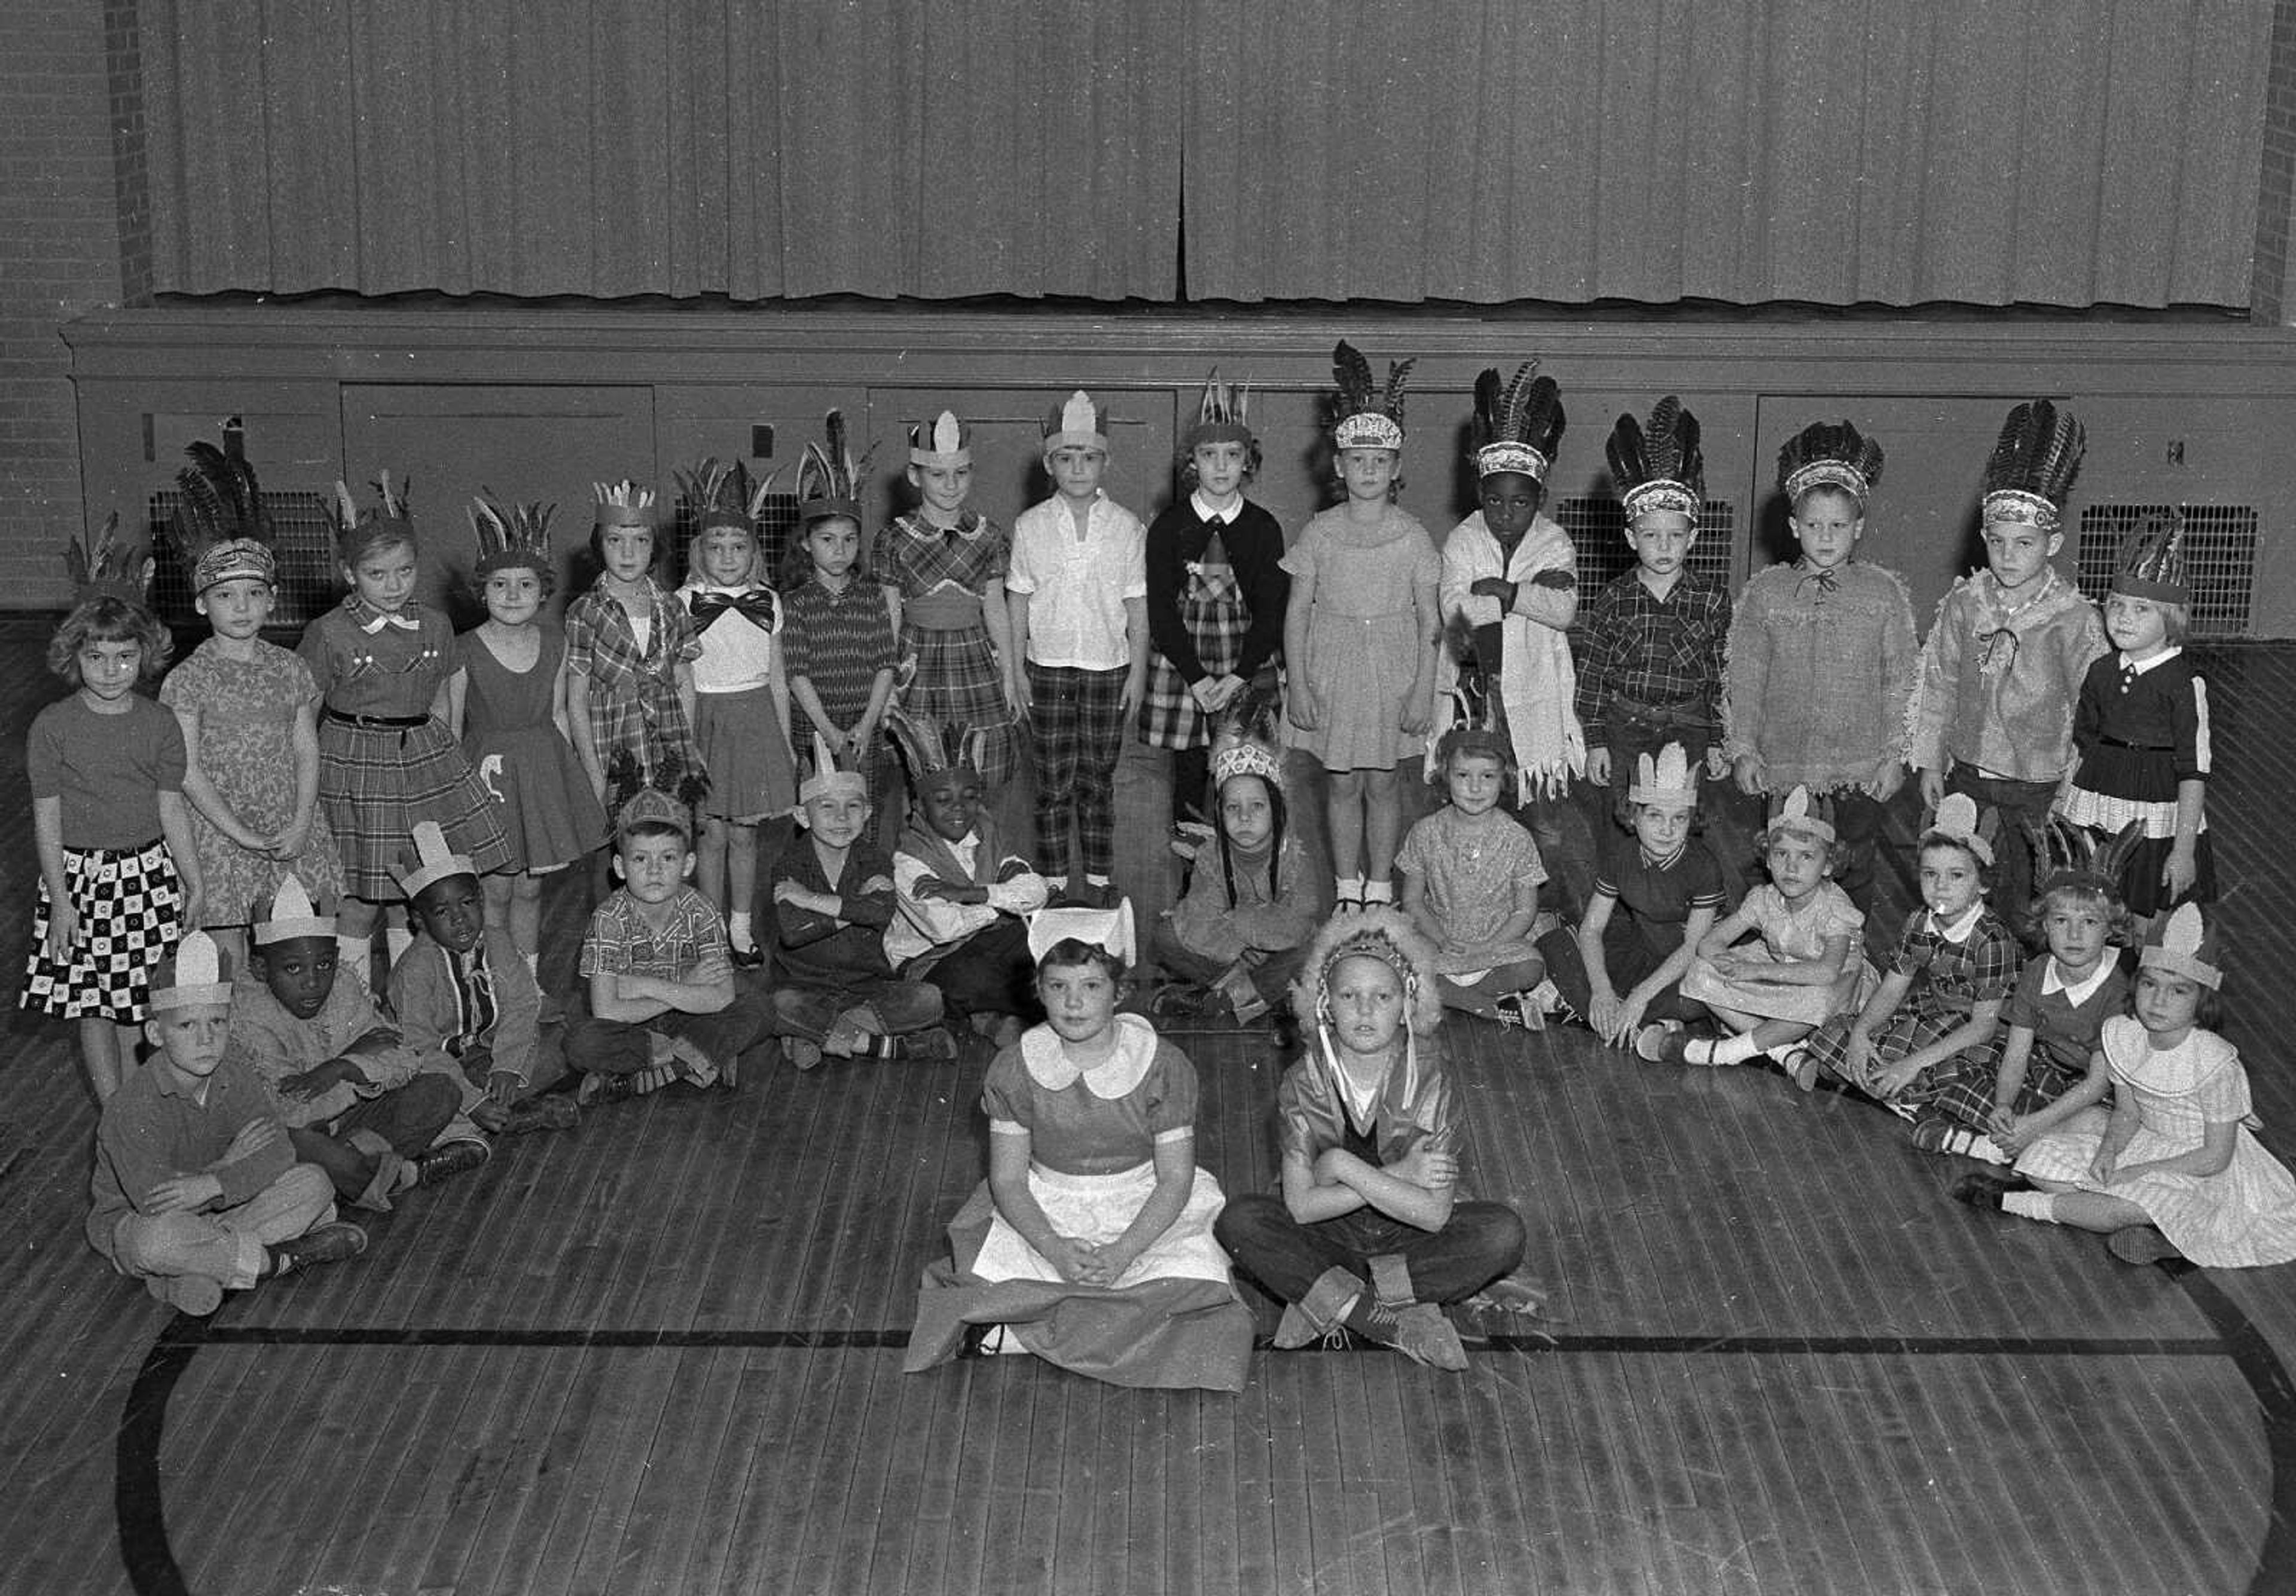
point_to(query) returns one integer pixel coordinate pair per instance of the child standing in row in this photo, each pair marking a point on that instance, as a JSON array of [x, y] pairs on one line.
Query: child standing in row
[[386, 758], [508, 704], [1216, 593], [1360, 632], [1822, 659], [629, 665], [838, 651], [249, 709], [1470, 879], [119, 875], [2004, 660], [741, 696], [1078, 583]]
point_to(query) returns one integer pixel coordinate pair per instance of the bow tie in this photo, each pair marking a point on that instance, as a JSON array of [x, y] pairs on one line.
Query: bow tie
[[2001, 640], [383, 618], [1827, 579], [758, 604]]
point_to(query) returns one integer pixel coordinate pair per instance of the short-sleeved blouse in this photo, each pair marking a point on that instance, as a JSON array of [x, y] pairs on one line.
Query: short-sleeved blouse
[[393, 670], [1790, 932], [1076, 1131], [1471, 866], [106, 770]]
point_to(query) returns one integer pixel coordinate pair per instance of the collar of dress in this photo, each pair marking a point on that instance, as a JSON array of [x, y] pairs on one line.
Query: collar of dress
[[1115, 1076], [2052, 980], [1958, 932]]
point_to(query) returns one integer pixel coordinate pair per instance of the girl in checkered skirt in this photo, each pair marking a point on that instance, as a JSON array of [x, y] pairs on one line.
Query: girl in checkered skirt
[[119, 877]]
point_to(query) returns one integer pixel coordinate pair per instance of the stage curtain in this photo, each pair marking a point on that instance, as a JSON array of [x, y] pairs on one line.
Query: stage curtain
[[2052, 152], [613, 148]]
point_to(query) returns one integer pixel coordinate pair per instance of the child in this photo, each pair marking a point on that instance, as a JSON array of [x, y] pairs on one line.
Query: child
[[1090, 1244], [2175, 1169], [2055, 1018], [1241, 931], [1509, 595], [629, 665], [1822, 660], [1808, 965], [1470, 879], [249, 709], [119, 875], [386, 758], [1078, 583], [1359, 634], [1650, 644], [1372, 1232], [834, 992], [1217, 592], [195, 1189], [942, 570], [356, 1098], [663, 1003], [1656, 897], [507, 704], [466, 1001], [838, 651], [1955, 962], [741, 696], [958, 890], [2141, 732], [2006, 658]]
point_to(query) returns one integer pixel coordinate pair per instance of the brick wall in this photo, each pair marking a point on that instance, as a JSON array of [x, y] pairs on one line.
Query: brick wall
[[68, 73]]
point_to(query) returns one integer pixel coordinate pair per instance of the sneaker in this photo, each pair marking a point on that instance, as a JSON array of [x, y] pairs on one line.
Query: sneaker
[[452, 1159], [752, 958], [935, 1046], [552, 1111], [1982, 1188], [1418, 1330], [692, 1064], [2143, 1244], [614, 1089], [1938, 1134], [1800, 1067], [1660, 1042], [330, 1243]]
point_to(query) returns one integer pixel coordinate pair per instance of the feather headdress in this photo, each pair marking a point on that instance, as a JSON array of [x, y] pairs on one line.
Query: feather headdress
[[1829, 454], [1516, 429], [1658, 465], [2070, 856], [1388, 936], [828, 478], [1078, 422], [2032, 466], [220, 527], [359, 528], [927, 748], [516, 537], [622, 504], [720, 493], [831, 775], [1222, 416], [104, 564], [1669, 777], [2152, 562], [1806, 813], [2183, 943], [1242, 747], [1365, 416], [944, 441], [1957, 821]]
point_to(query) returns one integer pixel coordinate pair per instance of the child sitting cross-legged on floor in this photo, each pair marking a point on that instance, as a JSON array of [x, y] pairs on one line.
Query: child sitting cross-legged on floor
[[356, 1098], [834, 992], [663, 1002], [196, 1189], [465, 1000]]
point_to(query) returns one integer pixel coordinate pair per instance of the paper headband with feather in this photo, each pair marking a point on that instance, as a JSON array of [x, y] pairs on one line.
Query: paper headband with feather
[[197, 974], [290, 915], [105, 564], [622, 504], [1829, 454], [1079, 421], [1658, 465], [2152, 562], [220, 527], [1669, 777], [2032, 466], [828, 477], [944, 442], [1364, 415], [1805, 813], [358, 527], [510, 538], [926, 747], [1957, 822], [1222, 416], [832, 777], [1516, 429], [720, 493], [2183, 943]]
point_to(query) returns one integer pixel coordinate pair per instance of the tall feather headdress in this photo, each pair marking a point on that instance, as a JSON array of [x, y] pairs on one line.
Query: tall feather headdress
[[1657, 466], [828, 478], [1364, 415], [2152, 562], [220, 527], [1830, 454], [360, 527], [511, 537], [105, 564], [717, 493], [1222, 416], [1516, 428], [2032, 466], [926, 746]]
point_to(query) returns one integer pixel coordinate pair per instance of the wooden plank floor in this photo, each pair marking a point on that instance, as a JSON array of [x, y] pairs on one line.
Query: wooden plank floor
[[662, 1352]]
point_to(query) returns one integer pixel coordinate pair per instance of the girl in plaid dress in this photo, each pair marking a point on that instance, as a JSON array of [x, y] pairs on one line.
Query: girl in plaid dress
[[383, 662], [629, 665], [942, 569]]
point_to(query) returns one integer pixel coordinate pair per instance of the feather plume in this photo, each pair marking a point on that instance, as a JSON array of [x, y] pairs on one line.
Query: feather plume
[[1352, 373], [219, 499], [1488, 405], [2039, 452], [1837, 442], [920, 741], [1398, 372], [1629, 461]]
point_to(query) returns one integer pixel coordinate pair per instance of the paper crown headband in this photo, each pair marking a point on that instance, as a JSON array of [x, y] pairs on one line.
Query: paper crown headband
[[2183, 943], [1801, 812], [432, 859], [1237, 751], [1518, 428], [196, 975], [2032, 466], [1957, 821], [1666, 778], [721, 494], [2152, 562], [106, 565], [1829, 454], [1080, 423], [1108, 929], [829, 778], [622, 504], [290, 916], [651, 806], [220, 527], [1657, 466], [828, 478], [510, 538], [358, 527], [944, 442], [1220, 415], [1366, 416]]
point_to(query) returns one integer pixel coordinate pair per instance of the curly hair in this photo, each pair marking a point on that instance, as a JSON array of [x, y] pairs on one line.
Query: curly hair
[[543, 573], [2084, 892], [1959, 844], [105, 619], [1388, 936]]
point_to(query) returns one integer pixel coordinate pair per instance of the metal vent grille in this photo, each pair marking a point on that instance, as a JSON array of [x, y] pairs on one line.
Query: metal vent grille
[[2219, 559], [302, 542], [1598, 533]]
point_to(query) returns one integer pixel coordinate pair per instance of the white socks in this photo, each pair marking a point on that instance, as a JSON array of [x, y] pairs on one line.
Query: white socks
[[1348, 892], [1730, 1049], [1378, 892], [737, 931]]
